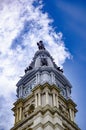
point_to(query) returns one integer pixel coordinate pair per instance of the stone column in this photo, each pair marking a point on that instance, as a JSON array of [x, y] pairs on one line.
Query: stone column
[[36, 100], [39, 99], [54, 101], [47, 96], [57, 102], [17, 116], [20, 113], [71, 112]]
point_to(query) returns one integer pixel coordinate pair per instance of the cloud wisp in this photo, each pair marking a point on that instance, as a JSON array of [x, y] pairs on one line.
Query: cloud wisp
[[22, 24]]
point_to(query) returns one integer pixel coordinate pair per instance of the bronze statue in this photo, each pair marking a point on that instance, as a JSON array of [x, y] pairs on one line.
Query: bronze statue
[[40, 45]]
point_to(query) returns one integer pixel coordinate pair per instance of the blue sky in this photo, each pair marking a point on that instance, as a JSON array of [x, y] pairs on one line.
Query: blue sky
[[61, 24]]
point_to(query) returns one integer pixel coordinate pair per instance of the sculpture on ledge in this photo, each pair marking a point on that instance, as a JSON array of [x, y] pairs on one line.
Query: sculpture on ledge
[[40, 45], [28, 68]]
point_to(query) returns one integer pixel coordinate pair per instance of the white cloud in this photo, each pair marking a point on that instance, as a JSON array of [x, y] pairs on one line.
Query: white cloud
[[27, 24]]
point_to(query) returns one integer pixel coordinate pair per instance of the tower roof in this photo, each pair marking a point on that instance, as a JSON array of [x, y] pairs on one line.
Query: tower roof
[[43, 69], [42, 58]]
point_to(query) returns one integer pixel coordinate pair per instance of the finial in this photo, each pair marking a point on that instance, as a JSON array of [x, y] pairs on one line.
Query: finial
[[40, 45]]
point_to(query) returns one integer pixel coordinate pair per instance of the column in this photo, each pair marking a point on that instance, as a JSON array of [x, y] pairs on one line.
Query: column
[[57, 102], [36, 100], [71, 114], [17, 115], [39, 99], [20, 114], [54, 101], [47, 96]]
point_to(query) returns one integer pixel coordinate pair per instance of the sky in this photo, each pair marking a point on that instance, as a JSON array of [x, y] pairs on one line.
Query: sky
[[61, 25]]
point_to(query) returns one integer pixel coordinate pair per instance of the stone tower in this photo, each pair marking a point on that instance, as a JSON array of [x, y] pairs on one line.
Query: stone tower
[[43, 93]]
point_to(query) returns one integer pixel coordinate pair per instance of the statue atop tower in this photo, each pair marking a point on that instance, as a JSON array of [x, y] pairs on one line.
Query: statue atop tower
[[40, 45]]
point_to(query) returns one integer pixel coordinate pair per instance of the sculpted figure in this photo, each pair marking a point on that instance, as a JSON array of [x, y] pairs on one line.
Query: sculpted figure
[[40, 45], [44, 62]]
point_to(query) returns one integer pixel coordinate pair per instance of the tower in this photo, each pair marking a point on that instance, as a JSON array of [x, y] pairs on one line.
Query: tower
[[43, 93]]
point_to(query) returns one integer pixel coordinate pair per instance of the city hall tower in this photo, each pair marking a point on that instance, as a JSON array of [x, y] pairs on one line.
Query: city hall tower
[[43, 93]]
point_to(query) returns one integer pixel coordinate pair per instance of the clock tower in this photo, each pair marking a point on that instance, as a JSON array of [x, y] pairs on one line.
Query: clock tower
[[43, 93]]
